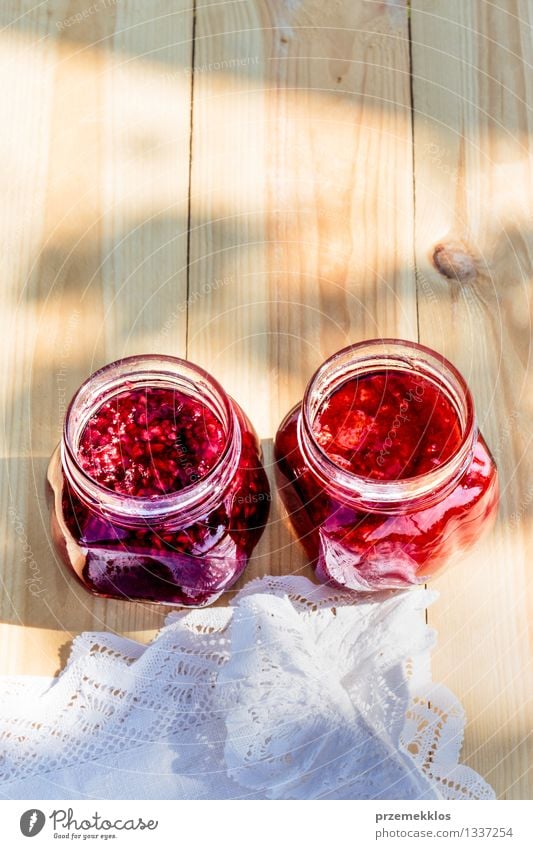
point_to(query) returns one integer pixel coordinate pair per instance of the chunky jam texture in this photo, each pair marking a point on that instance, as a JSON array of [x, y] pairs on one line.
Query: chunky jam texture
[[388, 425], [148, 442], [365, 549]]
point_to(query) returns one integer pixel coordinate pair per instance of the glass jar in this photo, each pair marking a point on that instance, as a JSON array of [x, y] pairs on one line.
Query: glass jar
[[159, 493], [382, 469]]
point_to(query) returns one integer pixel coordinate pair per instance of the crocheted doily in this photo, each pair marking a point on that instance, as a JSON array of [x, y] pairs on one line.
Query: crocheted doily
[[293, 691]]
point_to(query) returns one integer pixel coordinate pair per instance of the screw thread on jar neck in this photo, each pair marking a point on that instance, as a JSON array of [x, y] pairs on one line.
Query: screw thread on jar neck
[[189, 503], [389, 496]]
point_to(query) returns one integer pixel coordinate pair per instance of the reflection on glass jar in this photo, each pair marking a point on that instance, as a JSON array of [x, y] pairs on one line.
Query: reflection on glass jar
[[382, 469], [159, 493]]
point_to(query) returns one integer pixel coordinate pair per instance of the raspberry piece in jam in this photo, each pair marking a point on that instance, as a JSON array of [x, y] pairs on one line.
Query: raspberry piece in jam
[[388, 425], [150, 441]]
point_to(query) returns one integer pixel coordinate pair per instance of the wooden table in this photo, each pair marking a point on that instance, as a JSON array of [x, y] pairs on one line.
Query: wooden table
[[255, 184]]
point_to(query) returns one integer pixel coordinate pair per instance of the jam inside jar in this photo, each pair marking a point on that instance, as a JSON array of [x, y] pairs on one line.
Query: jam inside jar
[[381, 467], [159, 493]]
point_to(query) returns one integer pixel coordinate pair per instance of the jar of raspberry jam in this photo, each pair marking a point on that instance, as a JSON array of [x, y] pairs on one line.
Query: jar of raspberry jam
[[159, 494], [382, 469]]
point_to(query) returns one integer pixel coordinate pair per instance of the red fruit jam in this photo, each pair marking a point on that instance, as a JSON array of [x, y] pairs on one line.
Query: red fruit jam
[[381, 467], [159, 491], [150, 441]]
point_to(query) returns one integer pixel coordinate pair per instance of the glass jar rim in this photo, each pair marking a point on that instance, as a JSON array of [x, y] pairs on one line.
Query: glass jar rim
[[148, 368], [360, 358]]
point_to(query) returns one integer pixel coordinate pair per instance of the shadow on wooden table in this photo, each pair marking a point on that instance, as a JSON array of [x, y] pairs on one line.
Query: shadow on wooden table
[[329, 35]]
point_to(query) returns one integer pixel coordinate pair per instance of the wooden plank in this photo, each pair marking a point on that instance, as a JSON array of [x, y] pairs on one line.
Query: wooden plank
[[473, 92], [301, 202], [94, 264]]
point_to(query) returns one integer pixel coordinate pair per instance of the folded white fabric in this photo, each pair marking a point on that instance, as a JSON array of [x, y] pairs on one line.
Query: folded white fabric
[[295, 691]]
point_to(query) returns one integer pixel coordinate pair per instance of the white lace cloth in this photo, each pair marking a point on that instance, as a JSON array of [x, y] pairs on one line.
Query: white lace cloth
[[294, 691]]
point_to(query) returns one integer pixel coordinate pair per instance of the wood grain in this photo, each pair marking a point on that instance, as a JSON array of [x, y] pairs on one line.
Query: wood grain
[[473, 124]]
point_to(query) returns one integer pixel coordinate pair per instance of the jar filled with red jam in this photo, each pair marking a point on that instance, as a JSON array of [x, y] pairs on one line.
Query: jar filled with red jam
[[159, 493], [382, 469]]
